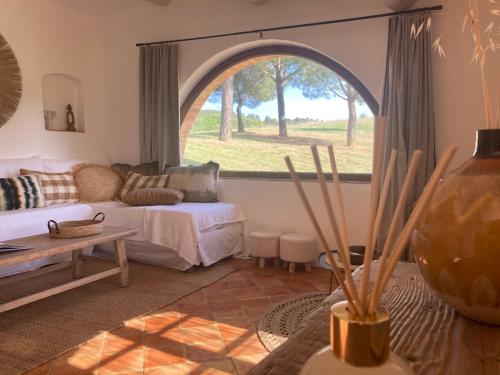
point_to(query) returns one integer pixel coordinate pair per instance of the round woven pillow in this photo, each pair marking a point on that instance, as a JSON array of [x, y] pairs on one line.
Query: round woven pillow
[[97, 183]]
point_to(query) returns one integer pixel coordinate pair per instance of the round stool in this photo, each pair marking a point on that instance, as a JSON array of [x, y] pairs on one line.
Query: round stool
[[297, 248], [264, 245]]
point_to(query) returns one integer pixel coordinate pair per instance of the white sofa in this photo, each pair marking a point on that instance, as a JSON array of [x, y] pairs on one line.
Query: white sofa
[[177, 237], [23, 223]]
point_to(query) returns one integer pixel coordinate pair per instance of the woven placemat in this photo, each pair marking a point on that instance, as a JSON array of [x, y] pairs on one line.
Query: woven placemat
[[284, 318]]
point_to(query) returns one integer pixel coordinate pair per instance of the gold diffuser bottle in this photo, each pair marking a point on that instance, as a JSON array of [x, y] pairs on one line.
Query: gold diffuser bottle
[[358, 345]]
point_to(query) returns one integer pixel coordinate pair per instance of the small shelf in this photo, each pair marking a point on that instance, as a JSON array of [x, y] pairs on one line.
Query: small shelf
[[59, 91], [65, 131]]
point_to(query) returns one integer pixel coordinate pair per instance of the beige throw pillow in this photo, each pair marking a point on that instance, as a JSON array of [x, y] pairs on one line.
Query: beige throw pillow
[[198, 183], [97, 183], [154, 197], [138, 181]]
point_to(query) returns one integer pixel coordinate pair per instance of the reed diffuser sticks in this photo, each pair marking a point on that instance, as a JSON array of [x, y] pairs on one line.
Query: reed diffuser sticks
[[360, 301], [322, 239]]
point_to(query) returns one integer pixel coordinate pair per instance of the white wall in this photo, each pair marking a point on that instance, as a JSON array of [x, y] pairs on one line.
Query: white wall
[[50, 38], [275, 205], [458, 96], [268, 204]]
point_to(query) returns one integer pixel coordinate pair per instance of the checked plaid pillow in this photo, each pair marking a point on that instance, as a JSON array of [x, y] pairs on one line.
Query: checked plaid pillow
[[56, 187]]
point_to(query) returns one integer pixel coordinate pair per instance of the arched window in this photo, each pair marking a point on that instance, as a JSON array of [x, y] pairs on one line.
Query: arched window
[[260, 105]]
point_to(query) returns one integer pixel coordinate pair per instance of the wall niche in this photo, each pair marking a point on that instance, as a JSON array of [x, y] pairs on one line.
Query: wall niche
[[59, 91]]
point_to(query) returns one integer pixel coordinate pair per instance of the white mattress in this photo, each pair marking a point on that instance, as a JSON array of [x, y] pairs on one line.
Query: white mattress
[[24, 223], [176, 228]]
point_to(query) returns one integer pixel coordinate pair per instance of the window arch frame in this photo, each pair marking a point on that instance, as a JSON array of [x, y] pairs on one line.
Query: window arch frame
[[228, 65]]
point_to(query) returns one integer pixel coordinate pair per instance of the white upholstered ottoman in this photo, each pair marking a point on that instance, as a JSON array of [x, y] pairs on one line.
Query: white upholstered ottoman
[[264, 245], [297, 248]]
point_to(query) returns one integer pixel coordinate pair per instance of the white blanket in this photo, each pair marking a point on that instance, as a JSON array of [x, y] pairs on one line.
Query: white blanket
[[175, 227]]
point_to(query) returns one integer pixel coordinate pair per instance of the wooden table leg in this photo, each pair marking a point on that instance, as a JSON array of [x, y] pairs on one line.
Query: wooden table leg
[[121, 261], [77, 263]]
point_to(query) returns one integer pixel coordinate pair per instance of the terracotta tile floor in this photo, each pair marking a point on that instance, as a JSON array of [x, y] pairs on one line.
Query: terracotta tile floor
[[211, 331]]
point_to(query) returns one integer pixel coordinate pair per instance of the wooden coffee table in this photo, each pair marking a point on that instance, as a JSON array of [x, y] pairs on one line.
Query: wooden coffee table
[[43, 246]]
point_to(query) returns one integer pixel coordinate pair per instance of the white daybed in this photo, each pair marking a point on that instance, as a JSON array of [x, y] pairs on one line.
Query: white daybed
[[179, 236]]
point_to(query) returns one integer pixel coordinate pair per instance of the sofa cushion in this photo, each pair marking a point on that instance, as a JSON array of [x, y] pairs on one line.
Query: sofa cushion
[[154, 197], [11, 167], [63, 165], [97, 183], [20, 193], [198, 183], [139, 181], [147, 169], [56, 187]]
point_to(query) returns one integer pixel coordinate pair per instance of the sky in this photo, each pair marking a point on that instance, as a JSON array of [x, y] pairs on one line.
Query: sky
[[297, 105]]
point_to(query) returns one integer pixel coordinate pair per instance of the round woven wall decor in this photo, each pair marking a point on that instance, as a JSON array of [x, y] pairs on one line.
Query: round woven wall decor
[[11, 85]]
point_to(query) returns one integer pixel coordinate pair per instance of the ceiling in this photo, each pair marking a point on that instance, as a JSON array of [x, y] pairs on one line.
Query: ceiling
[[103, 8]]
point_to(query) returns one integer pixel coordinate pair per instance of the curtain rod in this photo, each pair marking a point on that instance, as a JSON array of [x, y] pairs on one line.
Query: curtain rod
[[312, 24]]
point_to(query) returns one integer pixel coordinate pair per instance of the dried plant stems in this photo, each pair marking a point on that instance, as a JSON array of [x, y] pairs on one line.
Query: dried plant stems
[[393, 227], [498, 108], [339, 236], [380, 132], [422, 203], [486, 96], [320, 235], [480, 55]]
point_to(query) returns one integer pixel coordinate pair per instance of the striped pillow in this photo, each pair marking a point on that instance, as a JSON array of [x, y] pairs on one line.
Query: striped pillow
[[138, 181], [56, 187], [20, 193]]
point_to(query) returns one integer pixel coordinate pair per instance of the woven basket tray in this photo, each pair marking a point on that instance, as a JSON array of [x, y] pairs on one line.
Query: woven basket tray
[[75, 229]]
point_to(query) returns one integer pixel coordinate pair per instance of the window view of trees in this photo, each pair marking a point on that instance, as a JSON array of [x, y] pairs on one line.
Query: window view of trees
[[246, 125]]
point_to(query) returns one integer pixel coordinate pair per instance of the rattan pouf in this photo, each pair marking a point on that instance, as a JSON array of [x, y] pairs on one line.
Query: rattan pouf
[[298, 248], [264, 245]]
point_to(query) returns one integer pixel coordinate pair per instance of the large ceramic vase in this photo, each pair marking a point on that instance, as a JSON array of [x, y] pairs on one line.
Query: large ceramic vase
[[457, 242]]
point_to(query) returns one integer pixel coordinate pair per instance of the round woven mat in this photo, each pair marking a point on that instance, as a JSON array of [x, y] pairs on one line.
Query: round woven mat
[[282, 319]]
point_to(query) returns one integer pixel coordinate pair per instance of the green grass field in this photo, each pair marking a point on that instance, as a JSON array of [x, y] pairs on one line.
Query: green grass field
[[261, 149]]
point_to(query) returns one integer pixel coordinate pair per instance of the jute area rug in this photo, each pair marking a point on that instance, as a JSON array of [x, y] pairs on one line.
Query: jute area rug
[[284, 318], [35, 333]]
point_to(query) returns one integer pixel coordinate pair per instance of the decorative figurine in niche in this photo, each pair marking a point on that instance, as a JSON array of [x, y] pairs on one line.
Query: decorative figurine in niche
[[70, 119]]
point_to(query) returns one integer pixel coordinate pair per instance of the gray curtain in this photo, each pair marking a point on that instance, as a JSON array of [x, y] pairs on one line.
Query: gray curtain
[[409, 107], [159, 118]]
